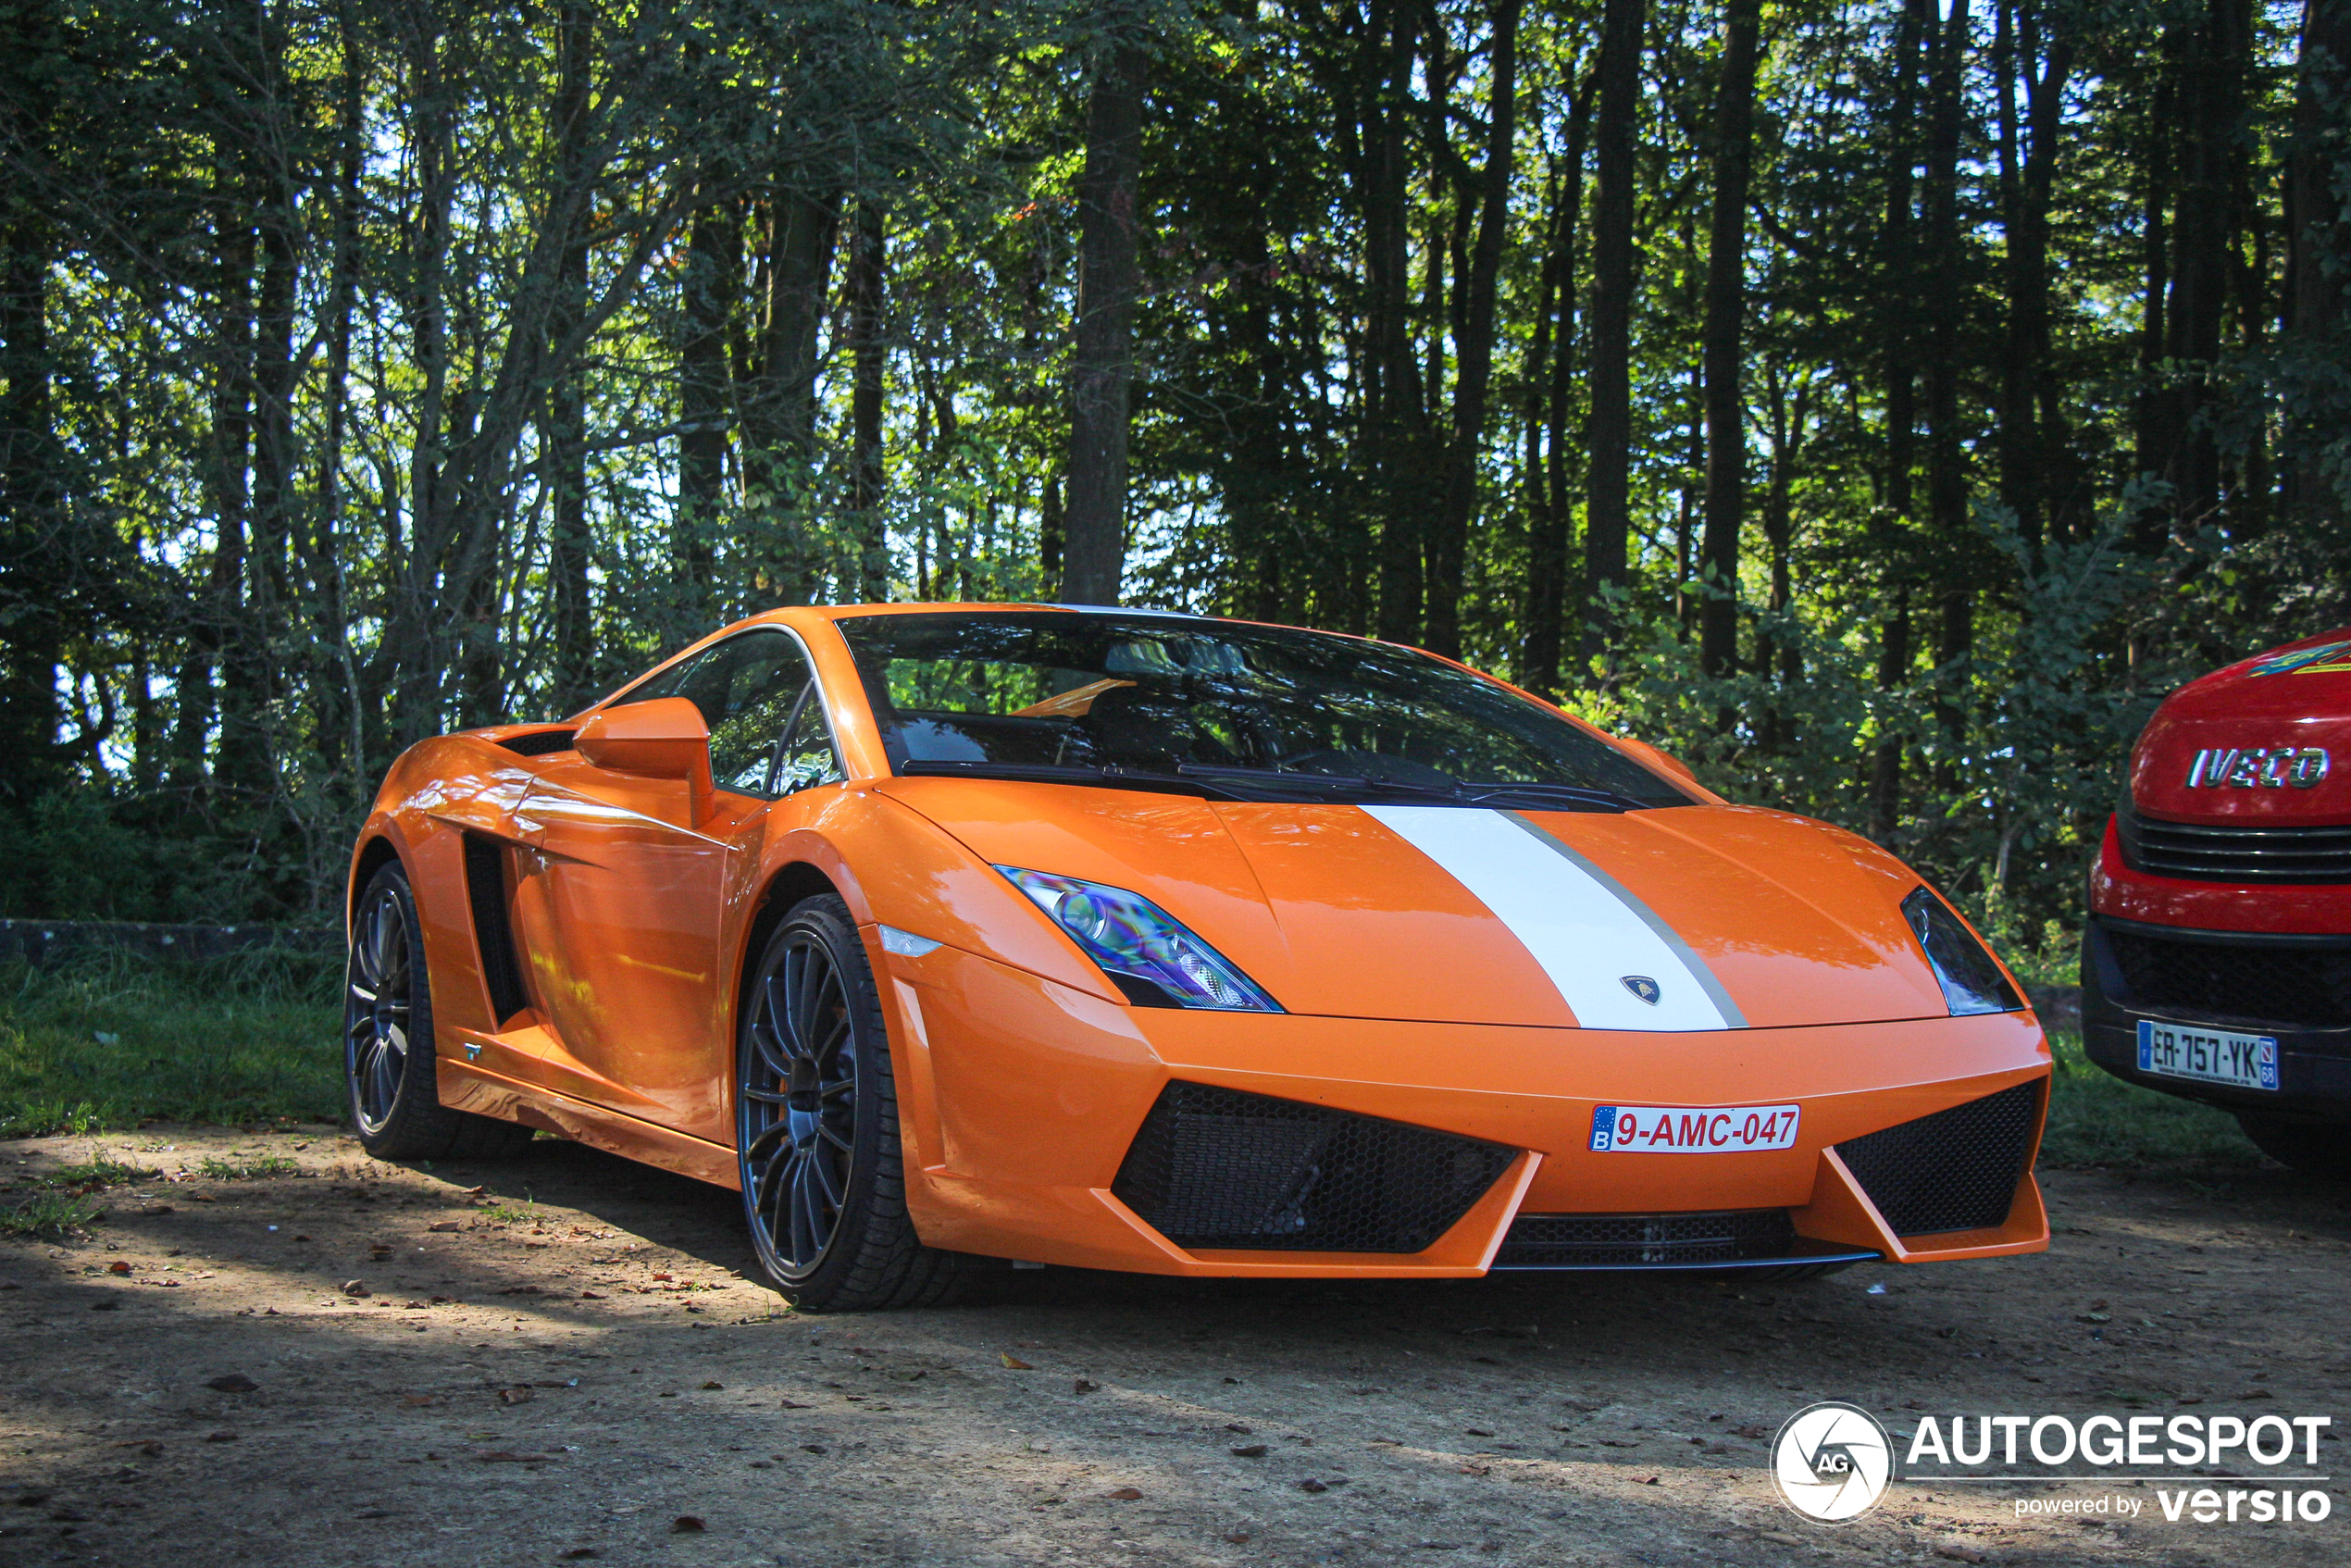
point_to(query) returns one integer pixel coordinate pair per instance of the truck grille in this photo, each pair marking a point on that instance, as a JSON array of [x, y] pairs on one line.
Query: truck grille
[[1955, 1170], [2204, 851], [2297, 985], [1218, 1168]]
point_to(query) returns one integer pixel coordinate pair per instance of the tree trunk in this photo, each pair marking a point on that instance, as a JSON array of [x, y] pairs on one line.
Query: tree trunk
[[564, 428], [1552, 622], [779, 401], [1946, 458], [31, 495], [2319, 241], [714, 266], [2042, 57], [1609, 438], [1398, 424], [867, 275], [1107, 286], [1726, 317], [1474, 349]]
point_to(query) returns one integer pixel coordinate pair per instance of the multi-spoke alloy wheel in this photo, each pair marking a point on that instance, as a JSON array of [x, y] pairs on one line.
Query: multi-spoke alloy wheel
[[799, 1105], [387, 1038], [378, 1007], [817, 1124]]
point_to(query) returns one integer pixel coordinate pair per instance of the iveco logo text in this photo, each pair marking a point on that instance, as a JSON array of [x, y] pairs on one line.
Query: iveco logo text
[[2257, 767]]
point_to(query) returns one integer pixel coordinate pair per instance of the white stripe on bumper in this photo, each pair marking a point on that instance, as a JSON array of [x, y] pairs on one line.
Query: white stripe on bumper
[[1590, 934]]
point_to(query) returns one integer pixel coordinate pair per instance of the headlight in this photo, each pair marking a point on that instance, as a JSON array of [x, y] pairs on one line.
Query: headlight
[[1969, 976], [1146, 952]]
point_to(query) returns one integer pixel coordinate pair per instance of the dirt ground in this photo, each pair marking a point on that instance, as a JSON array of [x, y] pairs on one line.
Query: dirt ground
[[560, 1359]]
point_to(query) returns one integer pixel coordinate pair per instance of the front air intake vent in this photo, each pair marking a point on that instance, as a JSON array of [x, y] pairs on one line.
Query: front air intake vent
[[1955, 1170], [1218, 1168], [540, 742], [493, 935], [1645, 1240]]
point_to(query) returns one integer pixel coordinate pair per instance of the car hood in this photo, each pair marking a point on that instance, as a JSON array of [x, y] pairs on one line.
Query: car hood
[[2237, 745], [1691, 918]]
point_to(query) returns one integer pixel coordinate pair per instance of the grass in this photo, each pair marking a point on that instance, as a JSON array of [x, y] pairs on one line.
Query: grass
[[2097, 1119], [117, 1040], [94, 1174], [250, 1167], [53, 1216]]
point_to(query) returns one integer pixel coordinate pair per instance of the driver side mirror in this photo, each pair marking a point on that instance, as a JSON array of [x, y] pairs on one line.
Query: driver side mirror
[[661, 738]]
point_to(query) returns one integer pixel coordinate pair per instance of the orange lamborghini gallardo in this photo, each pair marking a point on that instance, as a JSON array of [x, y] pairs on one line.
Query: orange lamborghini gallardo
[[954, 935]]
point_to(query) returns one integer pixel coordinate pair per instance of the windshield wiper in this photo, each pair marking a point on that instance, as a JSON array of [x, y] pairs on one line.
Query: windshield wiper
[[1111, 776]]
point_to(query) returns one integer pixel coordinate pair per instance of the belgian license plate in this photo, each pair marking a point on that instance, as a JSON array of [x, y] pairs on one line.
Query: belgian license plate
[[1684, 1129], [2213, 1056]]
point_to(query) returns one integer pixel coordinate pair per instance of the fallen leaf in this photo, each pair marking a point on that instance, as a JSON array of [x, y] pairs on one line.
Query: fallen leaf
[[1478, 1431], [1127, 1494], [422, 1400], [1013, 1362], [233, 1383], [1648, 1480], [1238, 1426], [1961, 1554], [794, 1404], [589, 1296], [444, 1225], [1083, 1385], [117, 1266], [513, 1396], [220, 1437], [2257, 1394], [713, 1385], [814, 1448], [1751, 1431], [685, 1525], [520, 1291], [1249, 1450], [356, 1288], [1238, 1539], [1312, 1484], [1474, 1469]]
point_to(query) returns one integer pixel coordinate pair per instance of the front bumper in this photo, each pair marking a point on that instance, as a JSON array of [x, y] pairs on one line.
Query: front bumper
[[2314, 1063], [1020, 1099]]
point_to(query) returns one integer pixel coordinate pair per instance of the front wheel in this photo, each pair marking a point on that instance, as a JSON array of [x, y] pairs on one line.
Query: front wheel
[[816, 1126], [2315, 1148], [387, 1040]]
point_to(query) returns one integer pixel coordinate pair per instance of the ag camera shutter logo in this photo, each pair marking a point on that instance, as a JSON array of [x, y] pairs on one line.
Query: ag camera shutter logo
[[1832, 1461]]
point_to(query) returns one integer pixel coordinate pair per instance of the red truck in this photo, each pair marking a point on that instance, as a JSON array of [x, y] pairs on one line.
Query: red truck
[[2216, 963]]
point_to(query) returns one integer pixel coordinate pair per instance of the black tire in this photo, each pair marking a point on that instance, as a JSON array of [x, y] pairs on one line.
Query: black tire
[[816, 1137], [2315, 1148], [387, 1040]]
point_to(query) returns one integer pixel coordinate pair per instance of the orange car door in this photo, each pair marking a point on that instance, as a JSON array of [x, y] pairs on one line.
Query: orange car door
[[622, 892]]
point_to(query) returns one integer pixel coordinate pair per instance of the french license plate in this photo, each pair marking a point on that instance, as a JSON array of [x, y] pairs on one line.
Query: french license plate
[[1684, 1129], [2213, 1056]]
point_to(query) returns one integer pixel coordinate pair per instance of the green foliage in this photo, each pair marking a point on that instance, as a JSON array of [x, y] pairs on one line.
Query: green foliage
[[2097, 1119], [52, 1216], [116, 1042]]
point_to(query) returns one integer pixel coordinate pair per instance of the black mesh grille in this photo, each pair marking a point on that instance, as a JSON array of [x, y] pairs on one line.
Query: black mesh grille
[[1218, 1168], [2295, 985], [1955, 1170], [2232, 851], [486, 891], [1588, 1240]]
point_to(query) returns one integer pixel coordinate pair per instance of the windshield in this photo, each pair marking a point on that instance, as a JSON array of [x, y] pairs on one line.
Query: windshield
[[1218, 708]]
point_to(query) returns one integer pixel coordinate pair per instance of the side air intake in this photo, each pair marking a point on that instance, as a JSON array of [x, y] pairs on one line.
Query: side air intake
[[1955, 1170], [1218, 1168], [493, 935]]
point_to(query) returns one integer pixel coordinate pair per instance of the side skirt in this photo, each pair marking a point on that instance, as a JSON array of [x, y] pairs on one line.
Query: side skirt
[[465, 1087]]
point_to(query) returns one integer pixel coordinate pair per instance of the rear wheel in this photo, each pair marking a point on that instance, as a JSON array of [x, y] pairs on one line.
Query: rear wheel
[[387, 1037], [816, 1126], [2319, 1149]]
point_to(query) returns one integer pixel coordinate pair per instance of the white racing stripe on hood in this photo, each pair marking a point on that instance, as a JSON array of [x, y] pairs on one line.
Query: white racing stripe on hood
[[1587, 931]]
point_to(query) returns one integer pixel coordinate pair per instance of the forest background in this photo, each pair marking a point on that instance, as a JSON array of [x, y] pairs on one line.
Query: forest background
[[1881, 403]]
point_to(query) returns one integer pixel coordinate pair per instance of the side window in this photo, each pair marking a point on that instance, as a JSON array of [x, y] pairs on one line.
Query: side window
[[806, 758], [746, 689]]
